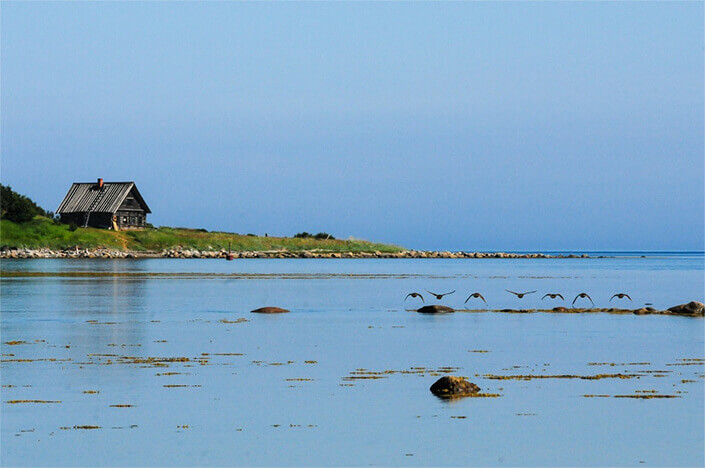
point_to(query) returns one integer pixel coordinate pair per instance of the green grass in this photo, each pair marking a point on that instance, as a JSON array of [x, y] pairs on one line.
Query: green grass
[[42, 232]]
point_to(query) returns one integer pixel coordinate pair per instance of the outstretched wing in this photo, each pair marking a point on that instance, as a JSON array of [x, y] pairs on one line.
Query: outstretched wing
[[515, 293], [576, 298], [613, 297], [627, 296], [431, 292], [586, 295], [414, 294], [447, 293], [475, 295], [560, 297], [544, 297], [530, 292]]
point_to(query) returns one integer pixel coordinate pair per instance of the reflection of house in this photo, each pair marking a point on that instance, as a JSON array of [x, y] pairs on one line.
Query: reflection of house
[[116, 205]]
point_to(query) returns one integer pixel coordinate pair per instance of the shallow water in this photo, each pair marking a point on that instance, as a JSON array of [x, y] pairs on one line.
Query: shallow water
[[296, 389]]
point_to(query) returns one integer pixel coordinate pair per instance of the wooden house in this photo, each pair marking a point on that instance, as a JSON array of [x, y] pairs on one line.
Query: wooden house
[[111, 205]]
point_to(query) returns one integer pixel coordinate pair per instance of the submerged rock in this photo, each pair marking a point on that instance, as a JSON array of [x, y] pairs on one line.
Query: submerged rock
[[435, 309], [269, 310], [693, 308], [453, 387]]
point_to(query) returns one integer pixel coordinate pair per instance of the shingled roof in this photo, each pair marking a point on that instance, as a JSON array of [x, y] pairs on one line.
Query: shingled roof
[[84, 197]]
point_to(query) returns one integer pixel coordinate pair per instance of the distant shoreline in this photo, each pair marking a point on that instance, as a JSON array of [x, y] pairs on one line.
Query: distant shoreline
[[23, 253]]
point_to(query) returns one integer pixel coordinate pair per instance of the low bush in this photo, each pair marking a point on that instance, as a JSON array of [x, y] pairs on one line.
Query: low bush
[[319, 236], [18, 208]]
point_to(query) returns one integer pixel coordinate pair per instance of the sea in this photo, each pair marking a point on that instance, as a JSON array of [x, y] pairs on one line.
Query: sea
[[160, 362]]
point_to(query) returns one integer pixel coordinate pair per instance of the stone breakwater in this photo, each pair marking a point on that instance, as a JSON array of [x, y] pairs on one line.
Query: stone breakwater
[[193, 253]]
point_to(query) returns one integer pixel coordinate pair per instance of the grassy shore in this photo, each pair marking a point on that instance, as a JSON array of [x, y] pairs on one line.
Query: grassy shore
[[43, 233]]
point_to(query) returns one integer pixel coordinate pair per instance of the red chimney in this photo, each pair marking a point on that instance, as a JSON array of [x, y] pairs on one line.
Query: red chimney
[[100, 183]]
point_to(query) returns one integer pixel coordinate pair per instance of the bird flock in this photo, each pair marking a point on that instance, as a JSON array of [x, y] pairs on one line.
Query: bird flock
[[520, 295]]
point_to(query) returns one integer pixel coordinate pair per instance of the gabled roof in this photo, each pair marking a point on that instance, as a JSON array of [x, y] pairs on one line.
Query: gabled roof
[[83, 197]]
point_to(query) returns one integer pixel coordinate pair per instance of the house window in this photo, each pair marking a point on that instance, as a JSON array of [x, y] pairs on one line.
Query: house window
[[124, 220]]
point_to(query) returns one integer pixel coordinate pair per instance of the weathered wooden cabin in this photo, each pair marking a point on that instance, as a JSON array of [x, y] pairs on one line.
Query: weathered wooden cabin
[[110, 205]]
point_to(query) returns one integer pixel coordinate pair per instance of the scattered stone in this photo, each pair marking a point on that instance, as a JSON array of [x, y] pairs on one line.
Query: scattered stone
[[694, 309], [453, 387], [183, 252], [269, 310], [435, 309]]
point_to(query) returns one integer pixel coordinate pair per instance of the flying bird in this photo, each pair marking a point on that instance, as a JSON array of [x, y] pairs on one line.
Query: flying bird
[[552, 296], [583, 295], [439, 296], [477, 294], [520, 295], [414, 294], [620, 296]]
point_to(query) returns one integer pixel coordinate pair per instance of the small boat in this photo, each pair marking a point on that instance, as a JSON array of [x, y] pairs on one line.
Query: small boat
[[230, 255]]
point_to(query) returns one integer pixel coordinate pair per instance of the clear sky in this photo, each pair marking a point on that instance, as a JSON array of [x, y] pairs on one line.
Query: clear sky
[[502, 126]]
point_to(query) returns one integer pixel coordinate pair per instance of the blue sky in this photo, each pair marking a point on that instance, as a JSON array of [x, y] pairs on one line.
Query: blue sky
[[501, 126]]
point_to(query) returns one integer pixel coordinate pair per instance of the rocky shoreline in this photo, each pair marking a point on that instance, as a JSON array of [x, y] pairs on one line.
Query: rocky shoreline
[[193, 253]]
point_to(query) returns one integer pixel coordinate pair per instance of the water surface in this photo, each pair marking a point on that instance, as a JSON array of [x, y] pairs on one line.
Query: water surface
[[163, 359]]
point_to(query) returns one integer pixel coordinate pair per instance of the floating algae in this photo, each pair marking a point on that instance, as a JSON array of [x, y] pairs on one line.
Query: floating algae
[[646, 397], [364, 374], [240, 320], [613, 364], [36, 360], [562, 376], [14, 402]]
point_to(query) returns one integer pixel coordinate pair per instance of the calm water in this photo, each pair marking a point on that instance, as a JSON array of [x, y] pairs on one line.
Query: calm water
[[206, 388]]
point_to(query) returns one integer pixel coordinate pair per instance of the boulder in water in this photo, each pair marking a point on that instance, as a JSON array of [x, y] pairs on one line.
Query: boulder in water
[[453, 387], [694, 309], [270, 310], [435, 309]]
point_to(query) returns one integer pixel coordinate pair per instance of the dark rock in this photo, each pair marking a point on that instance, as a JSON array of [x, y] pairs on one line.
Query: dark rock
[[560, 309], [269, 310], [453, 387], [435, 309], [651, 309], [695, 309], [642, 311]]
